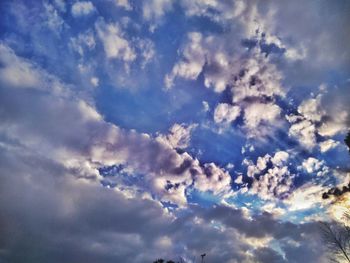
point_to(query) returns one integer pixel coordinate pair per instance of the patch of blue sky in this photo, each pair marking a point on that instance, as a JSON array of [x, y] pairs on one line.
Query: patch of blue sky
[[303, 215], [210, 146], [151, 109], [116, 175], [251, 201], [203, 199]]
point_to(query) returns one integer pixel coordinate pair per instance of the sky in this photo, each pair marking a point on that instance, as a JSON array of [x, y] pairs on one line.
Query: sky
[[136, 130]]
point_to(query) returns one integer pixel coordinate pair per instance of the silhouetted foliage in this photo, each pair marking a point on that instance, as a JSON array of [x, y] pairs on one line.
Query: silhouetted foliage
[[335, 191], [337, 240], [347, 140], [337, 235]]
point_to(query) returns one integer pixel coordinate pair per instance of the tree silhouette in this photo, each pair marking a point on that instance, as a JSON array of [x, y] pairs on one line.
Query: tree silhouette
[[337, 235], [160, 260], [337, 239], [347, 140]]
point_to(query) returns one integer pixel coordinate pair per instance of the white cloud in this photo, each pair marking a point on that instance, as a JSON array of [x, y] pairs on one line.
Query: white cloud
[[260, 115], [84, 41], [18, 72], [327, 145], [317, 118], [305, 132], [95, 81], [53, 20], [257, 78], [61, 5], [206, 106], [305, 197], [82, 8], [280, 158], [179, 136], [114, 42], [155, 9], [226, 113], [336, 124], [147, 51], [123, 3], [212, 178], [315, 166], [194, 59], [271, 176], [311, 109], [95, 143]]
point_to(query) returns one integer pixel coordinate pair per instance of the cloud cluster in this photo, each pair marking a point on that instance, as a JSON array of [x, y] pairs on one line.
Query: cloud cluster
[[114, 42], [179, 136], [95, 143], [271, 177], [313, 120], [113, 226], [82, 8], [78, 186], [250, 77]]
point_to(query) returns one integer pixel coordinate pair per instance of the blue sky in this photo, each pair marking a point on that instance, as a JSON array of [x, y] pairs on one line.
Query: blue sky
[[132, 130]]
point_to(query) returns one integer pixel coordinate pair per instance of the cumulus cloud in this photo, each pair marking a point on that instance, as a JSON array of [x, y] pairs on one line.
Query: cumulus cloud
[[179, 136], [305, 197], [226, 113], [123, 3], [317, 118], [155, 9], [95, 81], [311, 109], [249, 75], [260, 115], [327, 145], [194, 59], [55, 144], [52, 201], [313, 165], [96, 143], [16, 72], [82, 8], [271, 176], [114, 42], [304, 131]]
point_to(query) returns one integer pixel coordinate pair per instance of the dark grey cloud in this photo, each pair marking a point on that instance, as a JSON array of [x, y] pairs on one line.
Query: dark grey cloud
[[48, 215]]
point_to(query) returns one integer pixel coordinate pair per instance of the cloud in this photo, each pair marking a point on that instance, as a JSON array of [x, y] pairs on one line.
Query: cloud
[[226, 113], [17, 72], [313, 165], [82, 8], [52, 18], [271, 177], [305, 197], [303, 130], [258, 116], [311, 109], [113, 226], [76, 185], [114, 43], [327, 145], [194, 59], [123, 3], [317, 117], [155, 9], [96, 143], [179, 136], [84, 41]]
